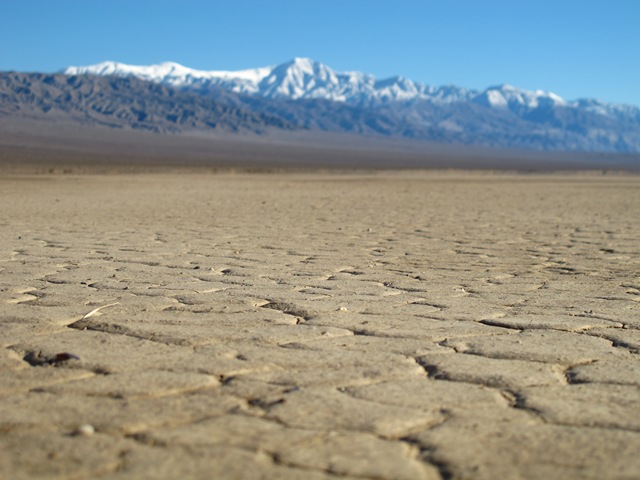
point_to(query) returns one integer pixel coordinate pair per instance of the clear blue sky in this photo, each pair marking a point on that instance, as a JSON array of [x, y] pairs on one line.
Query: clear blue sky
[[576, 49]]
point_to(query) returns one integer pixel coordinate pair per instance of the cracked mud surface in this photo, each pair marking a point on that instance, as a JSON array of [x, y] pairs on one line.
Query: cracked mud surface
[[317, 326]]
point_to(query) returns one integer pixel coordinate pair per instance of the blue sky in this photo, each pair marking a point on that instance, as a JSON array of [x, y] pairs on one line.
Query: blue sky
[[576, 49]]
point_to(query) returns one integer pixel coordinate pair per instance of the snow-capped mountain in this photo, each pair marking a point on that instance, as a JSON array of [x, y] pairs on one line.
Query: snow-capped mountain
[[301, 78], [510, 97], [303, 94]]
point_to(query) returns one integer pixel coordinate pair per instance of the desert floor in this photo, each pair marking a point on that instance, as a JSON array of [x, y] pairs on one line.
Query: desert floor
[[390, 325]]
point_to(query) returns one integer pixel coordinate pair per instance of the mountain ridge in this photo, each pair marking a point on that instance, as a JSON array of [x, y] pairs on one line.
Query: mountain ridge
[[125, 103], [307, 95], [291, 77]]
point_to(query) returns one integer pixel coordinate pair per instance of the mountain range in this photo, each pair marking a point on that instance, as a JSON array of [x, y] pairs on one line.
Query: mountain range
[[304, 94]]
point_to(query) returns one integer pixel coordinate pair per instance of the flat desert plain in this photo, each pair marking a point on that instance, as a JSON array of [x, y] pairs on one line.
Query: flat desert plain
[[390, 325]]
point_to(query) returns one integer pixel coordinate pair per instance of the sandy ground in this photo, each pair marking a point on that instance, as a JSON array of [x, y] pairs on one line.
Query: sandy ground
[[380, 326]]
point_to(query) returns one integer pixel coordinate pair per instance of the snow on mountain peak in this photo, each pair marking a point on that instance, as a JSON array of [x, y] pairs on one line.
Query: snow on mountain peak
[[299, 78], [304, 78], [509, 97], [169, 72], [303, 63]]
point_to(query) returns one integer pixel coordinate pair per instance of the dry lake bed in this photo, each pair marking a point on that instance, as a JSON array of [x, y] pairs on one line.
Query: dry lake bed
[[389, 325]]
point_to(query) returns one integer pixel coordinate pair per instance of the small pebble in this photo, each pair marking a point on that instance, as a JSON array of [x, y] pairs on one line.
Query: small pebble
[[85, 430]]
